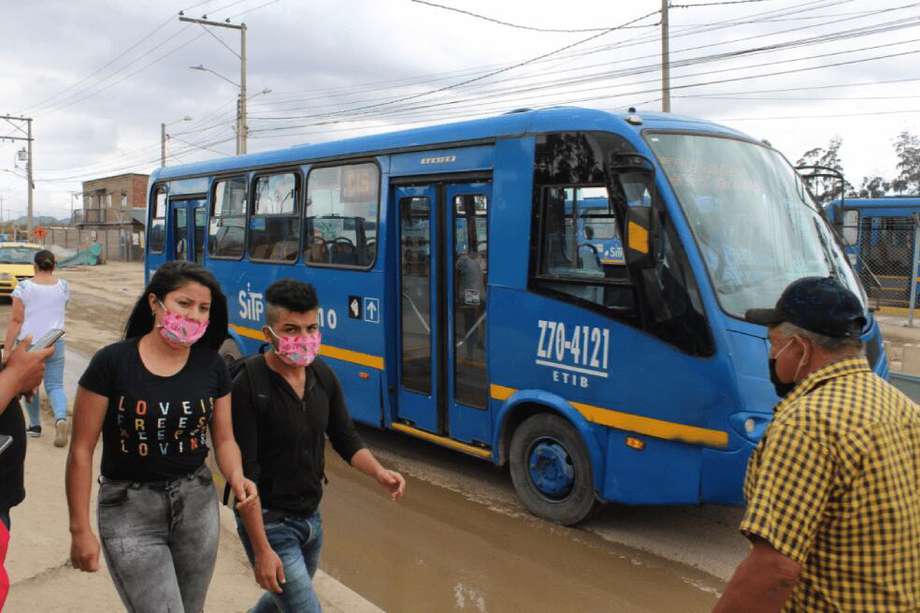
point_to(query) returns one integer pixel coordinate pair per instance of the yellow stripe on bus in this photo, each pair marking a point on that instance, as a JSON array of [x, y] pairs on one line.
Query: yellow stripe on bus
[[441, 440], [636, 423], [336, 353]]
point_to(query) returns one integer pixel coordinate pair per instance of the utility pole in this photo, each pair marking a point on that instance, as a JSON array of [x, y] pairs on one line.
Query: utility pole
[[242, 125], [162, 144], [665, 60], [28, 139]]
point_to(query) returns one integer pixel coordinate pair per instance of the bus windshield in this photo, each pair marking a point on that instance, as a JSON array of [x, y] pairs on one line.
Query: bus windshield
[[756, 225]]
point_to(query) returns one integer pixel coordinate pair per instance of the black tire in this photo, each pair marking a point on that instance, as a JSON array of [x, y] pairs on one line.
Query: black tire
[[229, 351], [576, 504]]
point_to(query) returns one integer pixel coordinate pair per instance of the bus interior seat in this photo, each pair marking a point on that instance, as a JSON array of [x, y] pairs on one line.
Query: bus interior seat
[[284, 250], [344, 253]]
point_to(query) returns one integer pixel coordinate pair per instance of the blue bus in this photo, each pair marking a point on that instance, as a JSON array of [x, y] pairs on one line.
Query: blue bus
[[457, 308], [879, 239]]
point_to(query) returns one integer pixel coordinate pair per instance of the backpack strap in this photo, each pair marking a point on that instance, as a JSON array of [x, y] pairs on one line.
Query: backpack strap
[[326, 380], [260, 385], [260, 382], [324, 376]]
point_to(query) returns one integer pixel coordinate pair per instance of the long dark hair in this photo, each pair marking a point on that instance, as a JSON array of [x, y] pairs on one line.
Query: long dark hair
[[168, 278]]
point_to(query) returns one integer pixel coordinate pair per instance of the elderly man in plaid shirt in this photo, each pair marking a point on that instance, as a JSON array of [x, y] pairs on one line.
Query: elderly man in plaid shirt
[[833, 489]]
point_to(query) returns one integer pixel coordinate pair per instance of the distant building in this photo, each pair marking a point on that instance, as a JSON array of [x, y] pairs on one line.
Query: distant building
[[113, 214], [112, 199]]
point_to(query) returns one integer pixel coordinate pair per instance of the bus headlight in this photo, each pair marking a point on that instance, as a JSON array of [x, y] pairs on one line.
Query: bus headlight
[[750, 425]]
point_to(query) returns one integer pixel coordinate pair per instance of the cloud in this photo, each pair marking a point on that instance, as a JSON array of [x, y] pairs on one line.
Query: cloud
[[321, 57]]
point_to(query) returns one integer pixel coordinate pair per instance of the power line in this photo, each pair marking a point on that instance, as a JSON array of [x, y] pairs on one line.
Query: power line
[[592, 78], [620, 45], [120, 55], [255, 8], [479, 104], [728, 2], [838, 116], [557, 58], [162, 25], [514, 25], [480, 112]]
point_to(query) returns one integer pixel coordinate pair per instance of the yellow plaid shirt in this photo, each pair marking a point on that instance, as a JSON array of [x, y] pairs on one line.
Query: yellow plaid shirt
[[835, 486]]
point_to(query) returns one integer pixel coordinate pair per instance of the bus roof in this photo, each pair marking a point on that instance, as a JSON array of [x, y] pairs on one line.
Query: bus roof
[[513, 124], [890, 202]]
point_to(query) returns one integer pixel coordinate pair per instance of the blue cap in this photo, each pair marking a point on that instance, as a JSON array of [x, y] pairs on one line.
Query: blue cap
[[818, 304]]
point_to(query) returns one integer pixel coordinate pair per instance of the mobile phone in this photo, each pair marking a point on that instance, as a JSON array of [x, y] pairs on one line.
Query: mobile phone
[[5, 442], [47, 339]]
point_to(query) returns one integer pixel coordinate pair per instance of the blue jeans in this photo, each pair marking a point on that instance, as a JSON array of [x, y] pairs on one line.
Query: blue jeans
[[297, 541], [54, 387]]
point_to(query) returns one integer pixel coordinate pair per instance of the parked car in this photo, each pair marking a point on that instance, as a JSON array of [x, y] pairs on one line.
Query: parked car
[[16, 260]]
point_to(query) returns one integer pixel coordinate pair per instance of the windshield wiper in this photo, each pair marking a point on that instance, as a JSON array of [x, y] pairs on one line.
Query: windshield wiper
[[826, 250]]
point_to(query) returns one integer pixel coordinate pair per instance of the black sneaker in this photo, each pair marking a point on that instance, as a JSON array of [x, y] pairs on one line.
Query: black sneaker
[[34, 431]]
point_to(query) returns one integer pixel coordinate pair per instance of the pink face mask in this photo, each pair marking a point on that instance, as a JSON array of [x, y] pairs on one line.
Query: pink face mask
[[179, 329], [298, 350]]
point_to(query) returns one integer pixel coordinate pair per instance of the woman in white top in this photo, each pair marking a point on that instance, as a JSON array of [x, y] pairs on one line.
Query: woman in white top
[[38, 306]]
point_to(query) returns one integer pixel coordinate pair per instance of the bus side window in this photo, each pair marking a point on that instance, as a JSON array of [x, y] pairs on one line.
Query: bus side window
[[227, 232], [580, 251], [274, 228], [340, 227], [157, 234]]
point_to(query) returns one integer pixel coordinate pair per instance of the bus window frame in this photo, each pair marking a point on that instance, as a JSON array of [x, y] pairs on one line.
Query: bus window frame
[[306, 192], [300, 199], [212, 203], [537, 275], [161, 187]]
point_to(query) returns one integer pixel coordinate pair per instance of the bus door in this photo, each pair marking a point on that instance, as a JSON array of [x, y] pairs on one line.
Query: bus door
[[443, 279], [189, 219]]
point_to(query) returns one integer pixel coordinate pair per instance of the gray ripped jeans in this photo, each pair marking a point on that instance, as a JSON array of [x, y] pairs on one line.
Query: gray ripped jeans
[[160, 541]]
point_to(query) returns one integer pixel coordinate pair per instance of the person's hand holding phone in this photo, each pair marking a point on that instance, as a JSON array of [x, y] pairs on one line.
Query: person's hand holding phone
[[27, 367]]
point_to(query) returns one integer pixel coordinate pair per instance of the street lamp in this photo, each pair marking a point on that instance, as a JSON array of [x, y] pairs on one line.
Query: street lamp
[[242, 128], [164, 136]]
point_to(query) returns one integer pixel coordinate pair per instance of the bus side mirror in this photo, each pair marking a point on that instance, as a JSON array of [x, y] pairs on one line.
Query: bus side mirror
[[626, 163], [638, 237], [632, 177]]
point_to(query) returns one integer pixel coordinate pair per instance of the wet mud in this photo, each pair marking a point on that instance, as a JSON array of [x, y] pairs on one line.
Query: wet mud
[[437, 550]]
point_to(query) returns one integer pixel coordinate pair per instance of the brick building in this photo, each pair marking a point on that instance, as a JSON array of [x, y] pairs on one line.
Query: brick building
[[110, 200], [113, 215]]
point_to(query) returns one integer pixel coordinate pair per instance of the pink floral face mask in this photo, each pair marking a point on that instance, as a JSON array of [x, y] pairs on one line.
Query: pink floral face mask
[[298, 350], [179, 329]]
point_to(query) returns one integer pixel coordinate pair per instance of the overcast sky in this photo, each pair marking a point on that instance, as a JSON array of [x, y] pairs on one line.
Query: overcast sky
[[99, 77]]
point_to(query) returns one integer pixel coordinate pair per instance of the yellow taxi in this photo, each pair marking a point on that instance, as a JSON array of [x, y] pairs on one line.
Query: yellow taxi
[[16, 264]]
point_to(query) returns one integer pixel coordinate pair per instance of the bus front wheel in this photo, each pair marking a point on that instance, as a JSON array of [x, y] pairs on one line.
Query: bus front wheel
[[551, 470]]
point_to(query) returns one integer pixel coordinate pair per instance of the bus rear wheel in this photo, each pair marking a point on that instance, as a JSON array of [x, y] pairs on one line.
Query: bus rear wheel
[[551, 470]]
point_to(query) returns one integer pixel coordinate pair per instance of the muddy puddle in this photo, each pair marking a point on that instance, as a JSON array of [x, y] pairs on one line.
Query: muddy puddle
[[439, 551]]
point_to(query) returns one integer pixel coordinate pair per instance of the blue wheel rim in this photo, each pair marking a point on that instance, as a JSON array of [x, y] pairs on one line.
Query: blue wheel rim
[[550, 468]]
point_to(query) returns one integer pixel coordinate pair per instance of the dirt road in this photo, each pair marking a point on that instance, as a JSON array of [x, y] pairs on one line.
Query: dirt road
[[41, 576], [101, 298]]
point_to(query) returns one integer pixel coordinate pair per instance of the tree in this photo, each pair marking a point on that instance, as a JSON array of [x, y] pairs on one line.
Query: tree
[[907, 147], [871, 187], [825, 189]]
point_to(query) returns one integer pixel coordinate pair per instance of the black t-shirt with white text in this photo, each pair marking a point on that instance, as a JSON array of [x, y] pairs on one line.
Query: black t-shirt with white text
[[155, 427]]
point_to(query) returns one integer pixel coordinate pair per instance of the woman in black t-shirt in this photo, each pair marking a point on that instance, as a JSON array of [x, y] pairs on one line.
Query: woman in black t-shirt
[[153, 397]]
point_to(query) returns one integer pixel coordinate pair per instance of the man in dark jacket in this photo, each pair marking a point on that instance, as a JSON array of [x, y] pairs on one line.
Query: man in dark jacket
[[285, 403]]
